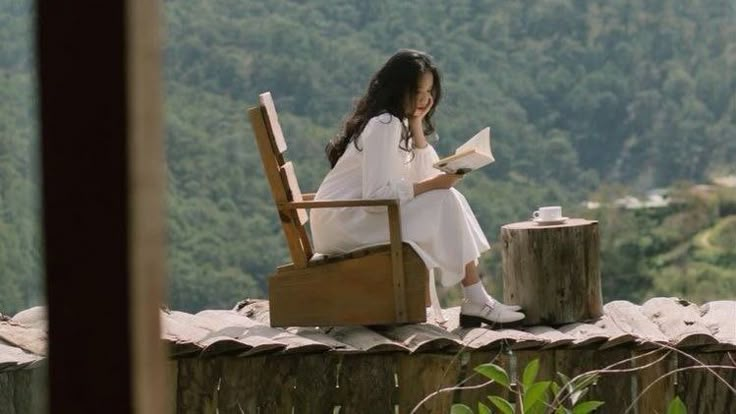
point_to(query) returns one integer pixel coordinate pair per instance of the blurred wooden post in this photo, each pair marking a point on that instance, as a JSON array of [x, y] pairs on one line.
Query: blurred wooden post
[[552, 271], [103, 188]]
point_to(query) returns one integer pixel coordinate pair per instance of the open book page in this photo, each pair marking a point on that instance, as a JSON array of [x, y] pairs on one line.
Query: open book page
[[473, 154]]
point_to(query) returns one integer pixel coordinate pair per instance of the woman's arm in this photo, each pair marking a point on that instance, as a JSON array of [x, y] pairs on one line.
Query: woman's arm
[[417, 132], [421, 166], [382, 164], [439, 182]]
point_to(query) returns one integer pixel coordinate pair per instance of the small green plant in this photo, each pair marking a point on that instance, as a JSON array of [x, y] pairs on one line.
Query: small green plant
[[676, 407], [536, 397]]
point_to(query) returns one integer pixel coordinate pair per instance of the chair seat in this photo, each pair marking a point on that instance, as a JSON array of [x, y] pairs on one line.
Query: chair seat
[[319, 258]]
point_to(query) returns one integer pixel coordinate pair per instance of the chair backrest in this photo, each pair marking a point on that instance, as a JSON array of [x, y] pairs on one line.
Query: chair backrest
[[281, 177]]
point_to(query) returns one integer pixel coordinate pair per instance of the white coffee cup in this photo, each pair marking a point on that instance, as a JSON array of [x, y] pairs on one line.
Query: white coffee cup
[[548, 213]]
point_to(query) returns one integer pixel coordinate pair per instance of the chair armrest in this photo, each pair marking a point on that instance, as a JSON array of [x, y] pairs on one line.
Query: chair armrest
[[293, 205]]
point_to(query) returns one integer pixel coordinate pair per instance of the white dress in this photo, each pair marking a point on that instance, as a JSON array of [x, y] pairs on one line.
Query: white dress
[[438, 224]]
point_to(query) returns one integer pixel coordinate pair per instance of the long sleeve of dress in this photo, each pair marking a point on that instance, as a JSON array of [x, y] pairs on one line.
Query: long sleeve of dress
[[420, 168], [382, 162]]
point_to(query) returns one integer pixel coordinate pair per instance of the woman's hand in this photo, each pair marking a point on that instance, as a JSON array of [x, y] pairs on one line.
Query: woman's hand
[[421, 111], [416, 125], [438, 182], [415, 119]]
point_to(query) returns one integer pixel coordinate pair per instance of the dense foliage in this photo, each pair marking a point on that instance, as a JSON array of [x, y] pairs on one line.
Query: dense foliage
[[580, 95]]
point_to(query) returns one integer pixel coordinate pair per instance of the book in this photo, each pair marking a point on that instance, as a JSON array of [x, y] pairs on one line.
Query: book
[[473, 154]]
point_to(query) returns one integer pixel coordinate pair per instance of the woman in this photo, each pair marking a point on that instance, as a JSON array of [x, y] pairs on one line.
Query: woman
[[382, 152]]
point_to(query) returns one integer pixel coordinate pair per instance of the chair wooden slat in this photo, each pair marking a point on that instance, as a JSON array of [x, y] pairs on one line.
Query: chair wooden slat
[[272, 122], [271, 168], [294, 193], [397, 260], [299, 217]]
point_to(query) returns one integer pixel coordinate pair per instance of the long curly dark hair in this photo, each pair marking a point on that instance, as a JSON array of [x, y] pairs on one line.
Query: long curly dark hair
[[388, 92]]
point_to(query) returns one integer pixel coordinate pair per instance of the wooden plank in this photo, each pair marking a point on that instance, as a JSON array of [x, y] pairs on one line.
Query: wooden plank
[[367, 382], [30, 393], [7, 391], [421, 375], [340, 203], [198, 382], [659, 392], [259, 384], [299, 217], [146, 204], [271, 168], [679, 320], [294, 193], [83, 103], [367, 251], [272, 121], [468, 377], [612, 388], [243, 379], [397, 267], [547, 364], [351, 292], [700, 390], [316, 383], [172, 373], [117, 203], [615, 387]]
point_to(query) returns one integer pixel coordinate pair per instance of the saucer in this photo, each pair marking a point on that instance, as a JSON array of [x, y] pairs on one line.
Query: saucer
[[550, 222]]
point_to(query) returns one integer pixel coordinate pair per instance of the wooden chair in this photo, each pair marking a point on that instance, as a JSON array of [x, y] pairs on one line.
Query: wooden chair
[[379, 285]]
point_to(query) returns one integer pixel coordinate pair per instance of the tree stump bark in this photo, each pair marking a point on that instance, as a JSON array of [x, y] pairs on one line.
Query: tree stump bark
[[552, 271]]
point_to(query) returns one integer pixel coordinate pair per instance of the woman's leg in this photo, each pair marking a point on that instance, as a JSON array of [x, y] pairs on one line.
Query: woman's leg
[[474, 291], [479, 307], [471, 274]]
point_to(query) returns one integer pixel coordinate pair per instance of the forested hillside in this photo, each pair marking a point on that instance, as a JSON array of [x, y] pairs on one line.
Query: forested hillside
[[586, 99]]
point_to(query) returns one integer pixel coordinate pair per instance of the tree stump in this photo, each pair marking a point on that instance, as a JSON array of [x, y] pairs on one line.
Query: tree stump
[[552, 270]]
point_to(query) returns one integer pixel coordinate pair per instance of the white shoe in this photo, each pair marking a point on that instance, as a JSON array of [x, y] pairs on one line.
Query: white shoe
[[513, 308], [473, 314]]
